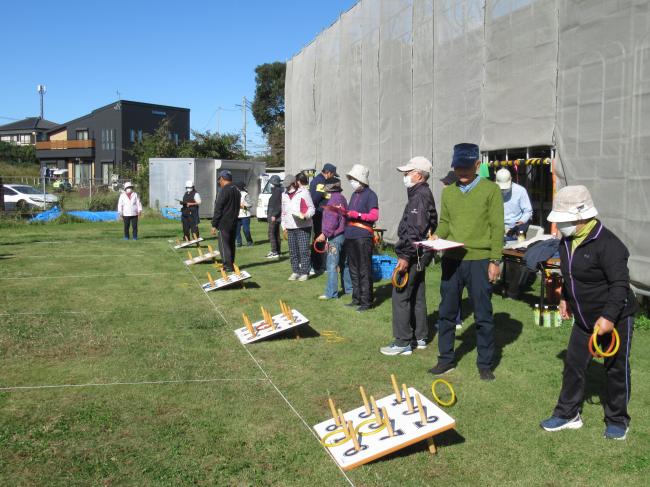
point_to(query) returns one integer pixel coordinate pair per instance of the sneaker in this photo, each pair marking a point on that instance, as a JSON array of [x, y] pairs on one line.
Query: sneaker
[[324, 297], [249, 244], [394, 349], [459, 326], [362, 309], [293, 277], [270, 254], [486, 374], [556, 424], [352, 304], [126, 238], [312, 272], [422, 344], [441, 369], [615, 432], [304, 277]]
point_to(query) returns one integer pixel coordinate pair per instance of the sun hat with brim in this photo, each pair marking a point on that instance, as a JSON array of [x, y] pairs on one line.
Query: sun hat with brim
[[504, 179], [289, 179], [360, 173], [128, 184], [571, 204], [418, 163]]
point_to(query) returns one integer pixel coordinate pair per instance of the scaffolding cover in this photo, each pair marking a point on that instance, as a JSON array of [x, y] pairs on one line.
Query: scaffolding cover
[[392, 79]]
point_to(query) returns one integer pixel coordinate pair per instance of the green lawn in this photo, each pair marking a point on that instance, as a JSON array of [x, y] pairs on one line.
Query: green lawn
[[168, 396]]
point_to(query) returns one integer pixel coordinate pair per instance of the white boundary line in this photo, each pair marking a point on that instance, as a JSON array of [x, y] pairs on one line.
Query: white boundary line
[[259, 366], [42, 313], [146, 382], [86, 276], [79, 255]]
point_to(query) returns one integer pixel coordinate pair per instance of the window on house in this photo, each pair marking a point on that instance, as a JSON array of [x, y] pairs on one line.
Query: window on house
[[107, 171], [132, 135], [140, 135], [82, 134]]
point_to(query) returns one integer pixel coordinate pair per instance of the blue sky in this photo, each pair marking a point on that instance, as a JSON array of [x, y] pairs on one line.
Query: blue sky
[[194, 54]]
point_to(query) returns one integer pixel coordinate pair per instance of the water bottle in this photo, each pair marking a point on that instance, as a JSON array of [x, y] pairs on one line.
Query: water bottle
[[546, 317], [536, 314]]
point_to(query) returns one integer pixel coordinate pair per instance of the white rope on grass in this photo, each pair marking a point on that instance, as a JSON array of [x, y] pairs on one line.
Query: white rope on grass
[[138, 383], [79, 255], [259, 366], [86, 276]]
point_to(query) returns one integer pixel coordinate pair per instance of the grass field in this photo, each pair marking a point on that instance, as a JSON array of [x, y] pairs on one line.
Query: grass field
[[116, 369]]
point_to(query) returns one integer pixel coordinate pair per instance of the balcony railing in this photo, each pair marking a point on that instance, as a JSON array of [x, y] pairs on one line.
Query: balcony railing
[[65, 144]]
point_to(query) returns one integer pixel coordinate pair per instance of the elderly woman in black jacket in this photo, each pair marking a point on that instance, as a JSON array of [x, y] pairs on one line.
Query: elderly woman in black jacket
[[597, 293]]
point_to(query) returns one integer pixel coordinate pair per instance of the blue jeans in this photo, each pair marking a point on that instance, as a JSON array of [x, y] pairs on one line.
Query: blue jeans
[[336, 258], [244, 224]]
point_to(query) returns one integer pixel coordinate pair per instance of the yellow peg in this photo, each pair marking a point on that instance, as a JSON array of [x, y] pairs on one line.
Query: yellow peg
[[376, 410], [387, 422], [211, 280], [223, 274], [423, 416], [196, 237], [237, 271], [432, 446], [409, 402], [185, 238], [248, 325], [200, 251], [178, 242], [354, 436], [342, 420], [398, 396], [335, 416], [365, 400], [189, 255]]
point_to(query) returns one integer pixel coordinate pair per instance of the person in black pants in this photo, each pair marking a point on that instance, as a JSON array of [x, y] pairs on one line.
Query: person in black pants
[[596, 291], [363, 212], [273, 216], [316, 191], [224, 219], [190, 211], [410, 326]]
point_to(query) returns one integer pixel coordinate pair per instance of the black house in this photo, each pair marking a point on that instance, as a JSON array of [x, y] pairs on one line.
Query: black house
[[26, 131], [99, 144]]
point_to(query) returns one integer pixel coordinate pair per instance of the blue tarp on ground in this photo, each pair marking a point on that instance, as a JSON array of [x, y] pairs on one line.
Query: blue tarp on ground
[[171, 213], [92, 216]]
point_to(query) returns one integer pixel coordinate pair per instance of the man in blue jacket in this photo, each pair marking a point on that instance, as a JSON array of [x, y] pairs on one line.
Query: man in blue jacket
[[419, 218]]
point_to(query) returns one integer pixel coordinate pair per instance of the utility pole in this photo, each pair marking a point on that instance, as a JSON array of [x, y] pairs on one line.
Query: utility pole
[[243, 108], [218, 120]]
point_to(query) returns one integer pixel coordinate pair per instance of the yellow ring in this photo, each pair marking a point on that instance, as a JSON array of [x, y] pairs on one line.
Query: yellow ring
[[336, 443], [617, 340], [373, 432], [435, 396], [405, 280]]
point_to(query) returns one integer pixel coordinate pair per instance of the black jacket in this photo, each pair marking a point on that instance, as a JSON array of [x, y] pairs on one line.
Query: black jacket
[[275, 203], [419, 218], [226, 207], [596, 278], [317, 196]]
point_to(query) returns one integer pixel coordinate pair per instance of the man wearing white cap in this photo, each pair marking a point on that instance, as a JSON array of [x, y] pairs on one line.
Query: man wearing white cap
[[190, 211], [517, 209], [419, 218], [363, 212], [597, 292], [129, 208]]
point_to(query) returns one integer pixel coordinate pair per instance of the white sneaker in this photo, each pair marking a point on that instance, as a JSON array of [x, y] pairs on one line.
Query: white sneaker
[[272, 255], [312, 272], [293, 277], [323, 297], [304, 277], [459, 326]]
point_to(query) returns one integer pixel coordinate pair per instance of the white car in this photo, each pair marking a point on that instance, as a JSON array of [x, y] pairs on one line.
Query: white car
[[21, 197]]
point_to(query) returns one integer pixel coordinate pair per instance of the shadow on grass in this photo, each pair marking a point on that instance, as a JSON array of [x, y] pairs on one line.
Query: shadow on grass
[[595, 381], [266, 262], [304, 331], [444, 439], [7, 256], [506, 331]]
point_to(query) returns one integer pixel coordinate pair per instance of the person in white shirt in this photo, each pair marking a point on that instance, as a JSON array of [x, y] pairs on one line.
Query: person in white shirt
[[517, 209], [244, 217], [297, 212], [129, 208]]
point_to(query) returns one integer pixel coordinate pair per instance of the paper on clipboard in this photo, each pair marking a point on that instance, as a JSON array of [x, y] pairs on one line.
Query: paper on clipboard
[[439, 244]]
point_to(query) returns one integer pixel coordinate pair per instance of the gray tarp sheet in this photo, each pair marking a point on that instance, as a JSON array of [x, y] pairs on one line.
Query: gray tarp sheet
[[392, 79]]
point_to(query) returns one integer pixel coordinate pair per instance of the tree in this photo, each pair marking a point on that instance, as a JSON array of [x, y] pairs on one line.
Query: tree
[[214, 146], [268, 107]]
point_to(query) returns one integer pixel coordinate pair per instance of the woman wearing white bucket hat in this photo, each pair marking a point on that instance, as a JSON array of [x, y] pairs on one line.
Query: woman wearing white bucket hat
[[363, 212], [597, 292], [129, 208]]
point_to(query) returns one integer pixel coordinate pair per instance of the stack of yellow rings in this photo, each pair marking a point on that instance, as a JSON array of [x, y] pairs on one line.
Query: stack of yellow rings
[[435, 396], [395, 279], [614, 344]]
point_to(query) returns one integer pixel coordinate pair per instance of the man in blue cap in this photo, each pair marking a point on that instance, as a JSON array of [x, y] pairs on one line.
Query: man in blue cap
[[224, 218], [317, 191], [471, 213]]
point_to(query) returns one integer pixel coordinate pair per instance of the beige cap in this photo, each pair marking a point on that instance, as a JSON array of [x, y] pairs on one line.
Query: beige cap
[[360, 173], [418, 163], [128, 184], [504, 179], [572, 203]]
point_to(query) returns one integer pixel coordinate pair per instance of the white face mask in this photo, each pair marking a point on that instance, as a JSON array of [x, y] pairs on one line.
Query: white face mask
[[408, 182], [189, 190], [129, 190], [355, 184], [567, 229]]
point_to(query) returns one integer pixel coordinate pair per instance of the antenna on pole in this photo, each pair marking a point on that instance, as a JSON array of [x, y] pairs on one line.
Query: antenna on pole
[[41, 91], [119, 95], [243, 108]]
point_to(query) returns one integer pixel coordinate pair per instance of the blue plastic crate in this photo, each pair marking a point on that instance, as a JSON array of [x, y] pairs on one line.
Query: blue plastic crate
[[382, 267]]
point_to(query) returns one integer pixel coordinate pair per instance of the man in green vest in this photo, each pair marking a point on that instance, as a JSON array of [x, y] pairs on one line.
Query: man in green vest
[[471, 213]]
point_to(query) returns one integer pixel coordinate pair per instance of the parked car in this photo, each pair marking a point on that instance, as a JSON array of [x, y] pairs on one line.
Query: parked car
[[20, 197]]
